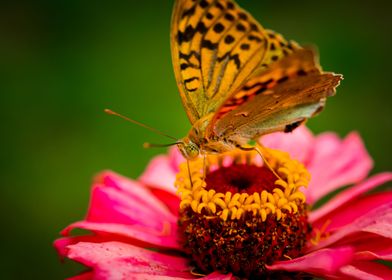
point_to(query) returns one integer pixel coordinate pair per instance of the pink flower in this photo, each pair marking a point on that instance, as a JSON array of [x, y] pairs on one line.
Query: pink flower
[[135, 231]]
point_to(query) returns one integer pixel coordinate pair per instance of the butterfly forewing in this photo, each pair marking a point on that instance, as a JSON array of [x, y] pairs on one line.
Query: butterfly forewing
[[292, 90], [216, 46]]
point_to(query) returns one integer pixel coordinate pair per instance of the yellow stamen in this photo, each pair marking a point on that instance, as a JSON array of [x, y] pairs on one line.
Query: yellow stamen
[[320, 233], [285, 197]]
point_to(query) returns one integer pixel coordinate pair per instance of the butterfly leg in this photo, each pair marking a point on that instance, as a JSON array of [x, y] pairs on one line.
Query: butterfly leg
[[204, 166], [262, 156], [189, 173]]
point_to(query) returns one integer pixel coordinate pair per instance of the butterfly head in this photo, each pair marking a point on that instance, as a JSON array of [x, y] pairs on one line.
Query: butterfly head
[[188, 149]]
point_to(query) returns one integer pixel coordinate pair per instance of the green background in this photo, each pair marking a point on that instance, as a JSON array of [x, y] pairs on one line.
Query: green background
[[63, 62]]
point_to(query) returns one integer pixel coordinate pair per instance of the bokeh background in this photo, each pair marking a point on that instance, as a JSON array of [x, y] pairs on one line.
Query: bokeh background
[[63, 62]]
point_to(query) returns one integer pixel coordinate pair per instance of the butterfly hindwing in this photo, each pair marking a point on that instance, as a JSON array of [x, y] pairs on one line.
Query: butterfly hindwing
[[292, 90]]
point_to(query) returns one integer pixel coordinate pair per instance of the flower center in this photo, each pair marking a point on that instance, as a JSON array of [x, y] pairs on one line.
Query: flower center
[[241, 178], [237, 216]]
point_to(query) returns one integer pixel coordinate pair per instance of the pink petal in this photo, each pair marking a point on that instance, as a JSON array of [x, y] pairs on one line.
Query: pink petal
[[123, 201], [299, 143], [84, 276], [218, 276], [336, 163], [374, 248], [322, 262], [367, 270], [351, 193], [116, 260], [376, 222], [172, 201], [160, 174], [61, 244], [353, 210], [136, 234], [175, 158]]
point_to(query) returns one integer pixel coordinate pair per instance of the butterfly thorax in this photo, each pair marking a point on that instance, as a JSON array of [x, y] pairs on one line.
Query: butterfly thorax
[[201, 140]]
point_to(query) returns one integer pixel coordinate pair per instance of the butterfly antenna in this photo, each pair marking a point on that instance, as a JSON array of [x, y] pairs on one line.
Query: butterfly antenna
[[150, 145], [110, 112]]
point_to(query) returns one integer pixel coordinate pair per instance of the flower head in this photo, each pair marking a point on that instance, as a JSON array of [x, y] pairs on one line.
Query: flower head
[[237, 216], [232, 217]]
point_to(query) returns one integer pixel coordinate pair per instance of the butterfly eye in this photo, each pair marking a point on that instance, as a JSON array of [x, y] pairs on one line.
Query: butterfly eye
[[189, 150], [192, 151]]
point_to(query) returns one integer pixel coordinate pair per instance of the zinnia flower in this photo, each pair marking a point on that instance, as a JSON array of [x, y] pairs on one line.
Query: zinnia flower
[[234, 219]]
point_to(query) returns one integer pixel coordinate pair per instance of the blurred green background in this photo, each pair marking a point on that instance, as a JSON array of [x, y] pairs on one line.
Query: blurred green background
[[63, 62]]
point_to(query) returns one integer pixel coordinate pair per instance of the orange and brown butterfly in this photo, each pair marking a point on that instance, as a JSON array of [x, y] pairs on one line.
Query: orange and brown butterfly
[[237, 80]]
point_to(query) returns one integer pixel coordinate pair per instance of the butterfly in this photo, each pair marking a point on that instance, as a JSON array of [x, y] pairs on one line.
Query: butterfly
[[237, 80]]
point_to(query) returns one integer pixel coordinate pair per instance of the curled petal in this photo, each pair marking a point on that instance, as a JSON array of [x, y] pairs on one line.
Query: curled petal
[[366, 270], [166, 238], [353, 210], [374, 248], [322, 262], [116, 199], [61, 244], [350, 194], [376, 222]]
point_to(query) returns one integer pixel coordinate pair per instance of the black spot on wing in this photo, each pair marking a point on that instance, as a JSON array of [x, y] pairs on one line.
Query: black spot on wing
[[245, 47], [230, 6], [261, 90], [301, 72], [190, 79], [209, 45], [271, 35], [184, 66], [189, 12], [204, 4], [229, 17], [187, 57], [283, 79], [234, 58], [254, 27], [219, 6], [229, 39], [292, 126], [240, 27], [218, 28], [187, 81], [190, 32], [259, 84], [242, 16], [255, 38]]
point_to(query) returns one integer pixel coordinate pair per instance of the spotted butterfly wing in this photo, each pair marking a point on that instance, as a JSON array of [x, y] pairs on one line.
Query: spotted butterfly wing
[[216, 46]]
